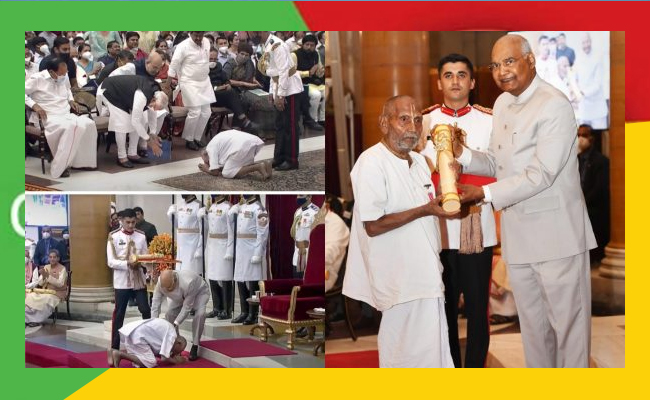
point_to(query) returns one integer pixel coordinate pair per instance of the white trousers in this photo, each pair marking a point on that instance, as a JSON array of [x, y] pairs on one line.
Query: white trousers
[[317, 102], [197, 119], [554, 304], [414, 335], [73, 142]]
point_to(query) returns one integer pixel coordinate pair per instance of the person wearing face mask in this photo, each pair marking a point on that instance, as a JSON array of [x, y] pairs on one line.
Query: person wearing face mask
[[49, 36], [222, 51], [132, 43], [87, 61], [40, 48], [43, 247], [65, 259], [303, 219], [189, 238], [594, 180], [133, 102], [189, 70], [30, 67], [224, 93], [252, 233], [312, 73], [61, 50], [72, 138]]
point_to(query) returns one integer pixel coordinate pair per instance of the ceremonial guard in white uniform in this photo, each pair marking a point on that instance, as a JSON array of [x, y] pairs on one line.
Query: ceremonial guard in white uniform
[[219, 256], [303, 220], [128, 277], [189, 238], [250, 258], [190, 68]]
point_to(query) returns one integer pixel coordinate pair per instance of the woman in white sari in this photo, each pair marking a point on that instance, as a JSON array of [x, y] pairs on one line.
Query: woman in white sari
[[40, 303]]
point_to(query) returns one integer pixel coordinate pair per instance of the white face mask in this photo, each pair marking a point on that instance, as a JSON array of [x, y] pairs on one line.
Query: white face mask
[[45, 50], [88, 56], [26, 260], [223, 49], [212, 65], [28, 60], [66, 236], [46, 235], [583, 144], [134, 50], [170, 44]]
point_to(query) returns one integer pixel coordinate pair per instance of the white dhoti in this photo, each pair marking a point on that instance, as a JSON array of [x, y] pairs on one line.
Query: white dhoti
[[198, 321], [188, 245], [554, 304], [73, 142], [231, 150], [147, 338], [414, 335], [217, 268], [39, 306]]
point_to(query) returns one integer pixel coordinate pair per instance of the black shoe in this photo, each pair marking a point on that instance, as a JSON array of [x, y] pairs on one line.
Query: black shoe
[[275, 163], [191, 145], [139, 161], [65, 173], [251, 320], [212, 314], [302, 332], [194, 353], [314, 126], [224, 315], [199, 143], [126, 164], [285, 166], [143, 153], [241, 318], [192, 312]]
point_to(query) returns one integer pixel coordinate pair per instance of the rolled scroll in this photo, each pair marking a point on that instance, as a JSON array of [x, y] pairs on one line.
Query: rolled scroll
[[442, 139]]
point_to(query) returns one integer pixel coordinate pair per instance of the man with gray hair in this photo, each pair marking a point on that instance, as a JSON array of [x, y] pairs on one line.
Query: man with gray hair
[[133, 101], [393, 258], [545, 230]]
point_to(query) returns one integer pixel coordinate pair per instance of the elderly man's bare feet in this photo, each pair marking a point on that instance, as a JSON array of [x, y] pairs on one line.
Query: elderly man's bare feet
[[204, 168], [269, 169], [109, 357]]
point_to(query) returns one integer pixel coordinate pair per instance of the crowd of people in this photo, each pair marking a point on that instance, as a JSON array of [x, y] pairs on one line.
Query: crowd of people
[[263, 78]]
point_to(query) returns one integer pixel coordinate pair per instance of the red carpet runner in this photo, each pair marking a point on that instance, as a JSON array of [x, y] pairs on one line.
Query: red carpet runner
[[238, 348], [357, 359]]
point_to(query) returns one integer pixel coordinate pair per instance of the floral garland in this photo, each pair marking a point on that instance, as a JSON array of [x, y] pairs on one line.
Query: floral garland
[[161, 245]]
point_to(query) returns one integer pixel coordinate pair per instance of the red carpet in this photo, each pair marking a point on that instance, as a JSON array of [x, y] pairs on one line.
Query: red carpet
[[357, 359], [98, 360], [46, 356], [238, 348]]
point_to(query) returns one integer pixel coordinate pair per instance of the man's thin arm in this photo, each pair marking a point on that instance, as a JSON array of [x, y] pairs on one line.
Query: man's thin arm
[[393, 221]]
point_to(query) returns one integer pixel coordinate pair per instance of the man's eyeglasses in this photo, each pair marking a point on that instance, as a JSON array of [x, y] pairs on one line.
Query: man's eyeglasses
[[508, 62]]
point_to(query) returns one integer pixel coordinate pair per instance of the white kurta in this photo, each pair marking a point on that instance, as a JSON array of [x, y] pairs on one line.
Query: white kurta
[[220, 242], [190, 63], [337, 236], [478, 126], [252, 238], [305, 218], [279, 67], [231, 150], [72, 139], [39, 306], [189, 239], [137, 121], [590, 76], [147, 338]]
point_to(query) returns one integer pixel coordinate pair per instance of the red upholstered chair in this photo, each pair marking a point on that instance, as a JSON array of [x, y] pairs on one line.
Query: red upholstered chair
[[294, 297]]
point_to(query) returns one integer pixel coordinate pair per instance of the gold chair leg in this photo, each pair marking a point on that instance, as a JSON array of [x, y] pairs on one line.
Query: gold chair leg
[[291, 331]]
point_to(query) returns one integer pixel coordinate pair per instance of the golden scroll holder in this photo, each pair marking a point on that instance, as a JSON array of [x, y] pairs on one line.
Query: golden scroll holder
[[442, 138]]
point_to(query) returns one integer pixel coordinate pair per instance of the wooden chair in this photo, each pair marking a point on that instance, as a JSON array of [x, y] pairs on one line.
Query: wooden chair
[[67, 299], [37, 133]]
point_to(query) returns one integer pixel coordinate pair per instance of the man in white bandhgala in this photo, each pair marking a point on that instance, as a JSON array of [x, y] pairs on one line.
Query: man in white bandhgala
[[72, 138], [189, 239], [189, 71], [144, 339], [231, 154], [393, 259]]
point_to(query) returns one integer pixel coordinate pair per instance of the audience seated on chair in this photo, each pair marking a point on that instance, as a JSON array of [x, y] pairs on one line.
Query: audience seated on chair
[[40, 303]]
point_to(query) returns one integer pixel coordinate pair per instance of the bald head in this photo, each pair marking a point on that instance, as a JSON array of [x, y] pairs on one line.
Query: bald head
[[390, 106], [168, 280], [154, 63], [179, 345], [401, 123], [513, 64]]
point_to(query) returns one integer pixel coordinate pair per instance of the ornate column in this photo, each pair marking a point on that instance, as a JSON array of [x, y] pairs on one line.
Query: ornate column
[[393, 63], [92, 280], [613, 265]]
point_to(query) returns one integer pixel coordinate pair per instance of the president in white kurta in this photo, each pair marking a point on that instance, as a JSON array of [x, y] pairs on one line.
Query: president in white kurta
[[545, 229], [189, 237], [72, 138], [393, 262], [190, 67]]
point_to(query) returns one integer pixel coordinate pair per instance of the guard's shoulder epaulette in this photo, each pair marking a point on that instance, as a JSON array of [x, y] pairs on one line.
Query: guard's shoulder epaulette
[[482, 109], [138, 230], [429, 109], [110, 235]]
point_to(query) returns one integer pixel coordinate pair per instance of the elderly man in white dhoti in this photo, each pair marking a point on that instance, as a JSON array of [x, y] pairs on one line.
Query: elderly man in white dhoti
[[72, 138], [393, 259], [145, 339], [190, 70], [231, 154]]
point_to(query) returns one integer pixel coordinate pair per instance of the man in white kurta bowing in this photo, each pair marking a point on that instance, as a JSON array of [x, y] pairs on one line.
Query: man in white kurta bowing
[[190, 70], [393, 261], [72, 138], [231, 154], [545, 230]]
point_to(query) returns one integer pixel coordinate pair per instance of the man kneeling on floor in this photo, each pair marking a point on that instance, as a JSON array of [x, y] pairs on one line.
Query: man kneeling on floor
[[144, 339], [231, 154]]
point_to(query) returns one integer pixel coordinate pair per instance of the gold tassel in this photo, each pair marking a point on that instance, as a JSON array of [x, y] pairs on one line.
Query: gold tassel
[[471, 235]]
